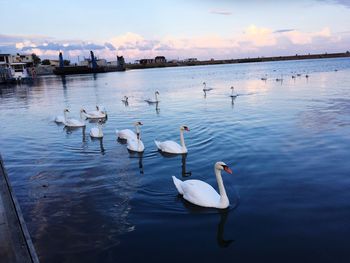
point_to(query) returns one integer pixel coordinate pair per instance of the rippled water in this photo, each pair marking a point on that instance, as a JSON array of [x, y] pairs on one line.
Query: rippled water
[[92, 201]]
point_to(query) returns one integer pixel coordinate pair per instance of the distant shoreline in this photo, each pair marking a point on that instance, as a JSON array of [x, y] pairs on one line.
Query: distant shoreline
[[237, 61]]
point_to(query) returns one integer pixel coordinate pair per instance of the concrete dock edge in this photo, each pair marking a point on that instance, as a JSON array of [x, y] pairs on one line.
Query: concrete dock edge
[[15, 242]]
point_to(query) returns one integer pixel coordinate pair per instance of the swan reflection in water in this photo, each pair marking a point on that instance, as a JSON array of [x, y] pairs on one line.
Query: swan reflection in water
[[103, 120], [156, 103], [183, 166], [138, 155], [233, 99], [184, 171], [157, 108], [223, 216], [102, 149], [70, 130]]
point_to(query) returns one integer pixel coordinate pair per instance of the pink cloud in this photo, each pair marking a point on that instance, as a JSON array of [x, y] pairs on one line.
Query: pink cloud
[[253, 41]]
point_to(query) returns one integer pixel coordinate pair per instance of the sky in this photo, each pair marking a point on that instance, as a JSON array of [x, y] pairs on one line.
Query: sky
[[204, 29]]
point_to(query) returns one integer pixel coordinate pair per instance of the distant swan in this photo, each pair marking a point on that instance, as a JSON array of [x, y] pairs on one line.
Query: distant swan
[[75, 123], [233, 93], [127, 134], [96, 132], [280, 79], [60, 118], [156, 100], [125, 100], [136, 145], [205, 88], [99, 113], [202, 194], [174, 147]]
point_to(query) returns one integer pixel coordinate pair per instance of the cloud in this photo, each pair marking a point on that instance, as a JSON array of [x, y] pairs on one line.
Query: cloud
[[259, 36], [253, 41], [110, 46], [283, 30], [221, 12], [302, 38]]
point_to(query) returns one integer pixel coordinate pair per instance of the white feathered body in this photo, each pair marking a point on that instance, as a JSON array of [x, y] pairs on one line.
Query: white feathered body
[[59, 119], [126, 134], [135, 145], [96, 132], [199, 193], [74, 123], [170, 147]]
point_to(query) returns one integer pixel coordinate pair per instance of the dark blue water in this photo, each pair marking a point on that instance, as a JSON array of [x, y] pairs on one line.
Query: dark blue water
[[287, 143]]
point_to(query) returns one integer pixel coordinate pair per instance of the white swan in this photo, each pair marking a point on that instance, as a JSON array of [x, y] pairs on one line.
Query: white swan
[[156, 100], [97, 114], [60, 118], [135, 145], [75, 123], [233, 93], [96, 132], [205, 88], [202, 194], [174, 147], [127, 134]]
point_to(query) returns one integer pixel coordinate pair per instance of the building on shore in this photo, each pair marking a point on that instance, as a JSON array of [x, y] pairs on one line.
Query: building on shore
[[149, 61], [160, 59]]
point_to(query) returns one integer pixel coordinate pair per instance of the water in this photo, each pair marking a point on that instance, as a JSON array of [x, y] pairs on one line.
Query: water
[[92, 201]]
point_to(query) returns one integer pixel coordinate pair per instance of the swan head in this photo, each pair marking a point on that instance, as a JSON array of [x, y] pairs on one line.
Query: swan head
[[232, 88], [82, 111], [97, 108], [223, 166], [138, 123], [157, 92], [184, 128], [204, 83], [65, 110]]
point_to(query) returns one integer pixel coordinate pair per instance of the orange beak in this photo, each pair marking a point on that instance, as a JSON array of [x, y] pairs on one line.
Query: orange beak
[[227, 169]]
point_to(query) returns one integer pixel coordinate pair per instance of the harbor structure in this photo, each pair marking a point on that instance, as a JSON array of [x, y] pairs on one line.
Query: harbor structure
[[89, 65]]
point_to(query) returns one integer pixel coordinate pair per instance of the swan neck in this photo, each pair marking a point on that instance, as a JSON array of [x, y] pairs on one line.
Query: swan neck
[[156, 95], [137, 129], [81, 115], [182, 139], [221, 186], [99, 129], [65, 115]]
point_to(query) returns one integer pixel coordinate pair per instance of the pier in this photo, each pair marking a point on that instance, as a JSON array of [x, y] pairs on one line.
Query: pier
[[15, 243]]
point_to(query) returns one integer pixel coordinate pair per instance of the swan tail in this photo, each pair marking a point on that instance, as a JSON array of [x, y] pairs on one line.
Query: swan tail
[[177, 184], [157, 144], [117, 133]]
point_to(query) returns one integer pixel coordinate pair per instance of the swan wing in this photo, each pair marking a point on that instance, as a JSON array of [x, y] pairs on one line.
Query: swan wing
[[95, 115], [169, 146], [178, 185], [200, 193], [59, 119], [74, 123], [94, 132], [126, 134], [135, 145]]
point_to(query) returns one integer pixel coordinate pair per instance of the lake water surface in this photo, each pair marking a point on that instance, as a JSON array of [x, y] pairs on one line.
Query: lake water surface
[[288, 144]]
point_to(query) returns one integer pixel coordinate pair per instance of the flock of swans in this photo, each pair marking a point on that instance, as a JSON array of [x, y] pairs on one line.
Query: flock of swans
[[194, 191]]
